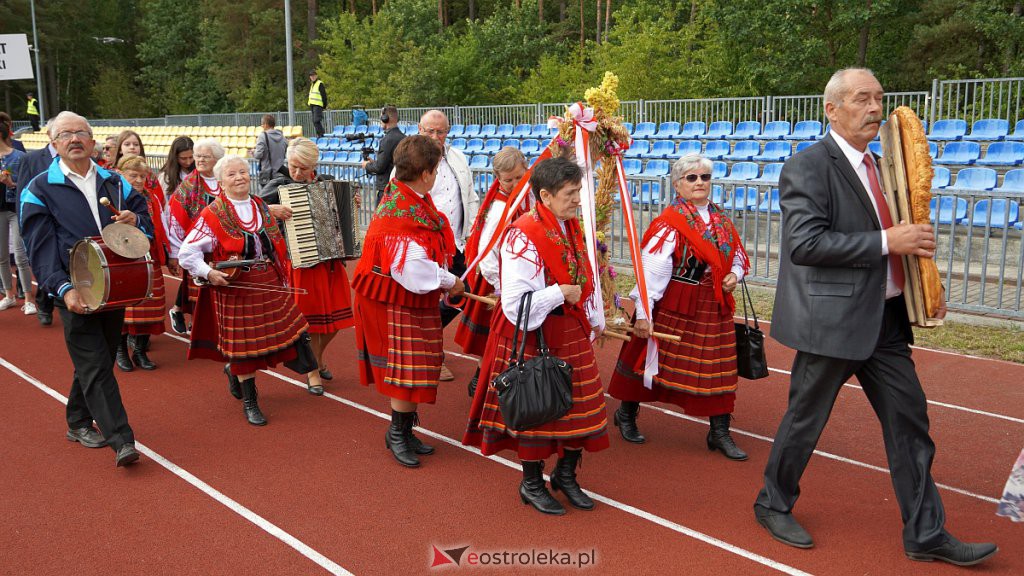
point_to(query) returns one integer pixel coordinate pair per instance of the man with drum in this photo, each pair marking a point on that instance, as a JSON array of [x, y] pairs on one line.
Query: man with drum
[[59, 208]]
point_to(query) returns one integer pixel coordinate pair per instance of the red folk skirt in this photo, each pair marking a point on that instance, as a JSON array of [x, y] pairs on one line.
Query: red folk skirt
[[251, 329], [147, 317], [327, 303], [697, 374], [584, 427], [475, 320], [400, 349]]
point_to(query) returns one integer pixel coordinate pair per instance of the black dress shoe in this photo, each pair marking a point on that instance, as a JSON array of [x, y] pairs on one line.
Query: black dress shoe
[[317, 390], [326, 374], [178, 322], [956, 552], [88, 437], [783, 527], [127, 455], [45, 318]]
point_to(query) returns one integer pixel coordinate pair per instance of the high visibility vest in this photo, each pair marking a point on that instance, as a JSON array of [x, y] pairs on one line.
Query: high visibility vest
[[32, 109], [315, 99]]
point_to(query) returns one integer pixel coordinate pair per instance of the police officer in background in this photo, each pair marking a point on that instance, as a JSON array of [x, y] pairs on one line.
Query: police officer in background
[[317, 102], [32, 110], [382, 165]]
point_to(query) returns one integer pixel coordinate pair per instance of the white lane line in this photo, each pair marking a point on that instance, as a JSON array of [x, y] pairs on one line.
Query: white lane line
[[267, 526]]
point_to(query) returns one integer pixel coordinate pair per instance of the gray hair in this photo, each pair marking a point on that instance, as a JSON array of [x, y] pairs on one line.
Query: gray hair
[[688, 163], [837, 88], [212, 145], [435, 114], [64, 116], [222, 164]]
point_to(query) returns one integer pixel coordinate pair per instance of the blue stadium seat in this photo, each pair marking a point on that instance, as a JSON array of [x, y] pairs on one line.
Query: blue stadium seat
[[656, 168], [456, 131], [339, 130], [350, 129], [1018, 131], [334, 144], [638, 148], [747, 130], [693, 130], [650, 193], [952, 129], [989, 129], [744, 150], [474, 146], [959, 153], [410, 129], [492, 145], [941, 178], [530, 146], [328, 156], [718, 130], [504, 131], [933, 149], [485, 131], [632, 166], [777, 130], [322, 142], [743, 171], [805, 130], [770, 202], [459, 143], [771, 173], [522, 131], [875, 147], [1005, 213], [643, 130], [541, 131], [667, 131], [975, 179], [375, 130], [478, 161], [718, 170], [629, 127], [1003, 154], [802, 145], [717, 194], [775, 151], [688, 147], [661, 149], [716, 149], [950, 209], [509, 142], [1013, 181]]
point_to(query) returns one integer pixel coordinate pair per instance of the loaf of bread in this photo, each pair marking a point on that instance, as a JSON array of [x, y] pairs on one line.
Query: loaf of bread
[[918, 164]]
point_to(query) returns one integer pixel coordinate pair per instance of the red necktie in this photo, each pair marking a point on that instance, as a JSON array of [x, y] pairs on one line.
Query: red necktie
[[895, 261]]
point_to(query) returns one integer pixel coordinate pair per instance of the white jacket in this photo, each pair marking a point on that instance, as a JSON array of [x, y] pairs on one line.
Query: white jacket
[[470, 199]]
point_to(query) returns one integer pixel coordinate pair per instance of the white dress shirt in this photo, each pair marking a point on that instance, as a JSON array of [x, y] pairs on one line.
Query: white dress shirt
[[658, 265], [856, 160], [447, 197], [86, 184], [200, 239], [489, 265], [421, 274]]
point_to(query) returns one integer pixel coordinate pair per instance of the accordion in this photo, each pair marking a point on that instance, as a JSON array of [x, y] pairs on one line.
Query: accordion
[[323, 223]]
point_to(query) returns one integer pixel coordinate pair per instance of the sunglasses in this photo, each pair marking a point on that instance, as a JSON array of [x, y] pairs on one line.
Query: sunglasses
[[691, 178]]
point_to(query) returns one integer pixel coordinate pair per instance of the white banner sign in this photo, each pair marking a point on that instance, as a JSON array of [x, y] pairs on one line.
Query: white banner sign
[[15, 63]]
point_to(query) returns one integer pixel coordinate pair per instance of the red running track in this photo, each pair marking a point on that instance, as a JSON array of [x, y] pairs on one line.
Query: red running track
[[316, 491]]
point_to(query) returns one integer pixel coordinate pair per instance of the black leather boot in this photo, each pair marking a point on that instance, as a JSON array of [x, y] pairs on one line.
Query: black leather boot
[[472, 382], [625, 419], [249, 405], [720, 439], [139, 357], [396, 440], [415, 443], [533, 491], [563, 478], [123, 360], [234, 387]]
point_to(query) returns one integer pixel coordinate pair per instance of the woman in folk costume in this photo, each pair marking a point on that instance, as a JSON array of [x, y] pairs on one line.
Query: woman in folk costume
[[544, 252], [398, 283], [693, 259], [251, 320], [146, 318], [509, 168], [195, 193], [327, 300]]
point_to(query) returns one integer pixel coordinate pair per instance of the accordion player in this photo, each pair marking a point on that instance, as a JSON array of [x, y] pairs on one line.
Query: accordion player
[[323, 222]]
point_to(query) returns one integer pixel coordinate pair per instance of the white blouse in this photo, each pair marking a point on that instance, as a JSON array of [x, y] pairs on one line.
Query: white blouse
[[421, 274], [489, 264], [658, 266], [175, 233], [520, 274], [200, 239]]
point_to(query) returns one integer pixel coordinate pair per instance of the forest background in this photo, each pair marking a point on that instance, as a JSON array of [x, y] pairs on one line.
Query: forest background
[[146, 58]]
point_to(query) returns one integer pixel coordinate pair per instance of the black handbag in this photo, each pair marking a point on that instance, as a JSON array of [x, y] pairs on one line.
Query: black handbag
[[750, 359], [535, 391]]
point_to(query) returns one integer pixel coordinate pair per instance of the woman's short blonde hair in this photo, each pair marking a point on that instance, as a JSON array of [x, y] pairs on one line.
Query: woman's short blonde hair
[[218, 169], [303, 150], [133, 162], [507, 159]]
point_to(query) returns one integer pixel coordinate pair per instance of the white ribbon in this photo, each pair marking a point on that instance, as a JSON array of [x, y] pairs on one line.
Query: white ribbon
[[583, 118]]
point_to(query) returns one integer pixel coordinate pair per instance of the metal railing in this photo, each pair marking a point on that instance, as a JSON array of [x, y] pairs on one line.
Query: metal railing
[[973, 100], [705, 110], [794, 109]]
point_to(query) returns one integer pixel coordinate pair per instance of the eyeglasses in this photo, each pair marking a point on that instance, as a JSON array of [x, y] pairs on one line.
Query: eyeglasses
[[691, 178], [202, 157], [80, 134], [107, 148], [433, 132]]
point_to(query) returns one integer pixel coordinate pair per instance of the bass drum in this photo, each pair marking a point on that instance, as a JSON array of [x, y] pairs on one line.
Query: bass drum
[[107, 281]]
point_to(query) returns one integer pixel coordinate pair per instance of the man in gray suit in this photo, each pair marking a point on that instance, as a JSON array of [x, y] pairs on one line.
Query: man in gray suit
[[839, 303]]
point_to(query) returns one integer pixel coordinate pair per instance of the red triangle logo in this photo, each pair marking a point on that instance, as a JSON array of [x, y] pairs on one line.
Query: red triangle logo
[[440, 559]]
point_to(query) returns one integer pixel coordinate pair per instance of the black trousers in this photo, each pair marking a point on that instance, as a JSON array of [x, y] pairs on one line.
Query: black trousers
[[448, 313], [92, 343], [34, 120], [891, 385], [44, 302], [318, 119]]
